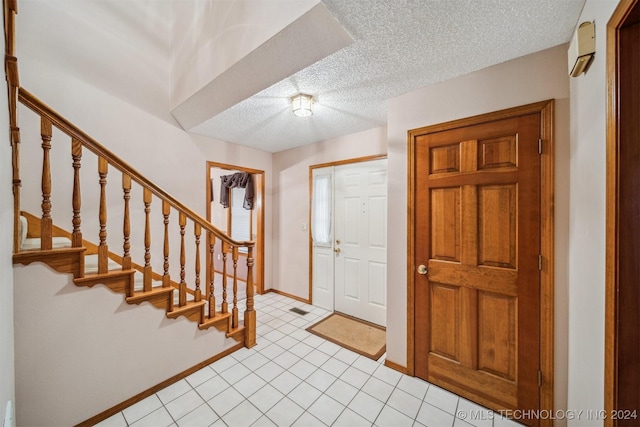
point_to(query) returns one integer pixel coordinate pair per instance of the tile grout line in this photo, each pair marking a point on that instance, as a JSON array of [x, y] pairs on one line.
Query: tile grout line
[[279, 306]]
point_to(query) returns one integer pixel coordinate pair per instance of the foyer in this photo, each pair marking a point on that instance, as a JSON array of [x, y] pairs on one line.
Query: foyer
[[294, 378]]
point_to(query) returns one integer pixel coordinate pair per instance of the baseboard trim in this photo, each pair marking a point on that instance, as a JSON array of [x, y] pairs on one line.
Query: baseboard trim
[[140, 396], [275, 291], [396, 366]]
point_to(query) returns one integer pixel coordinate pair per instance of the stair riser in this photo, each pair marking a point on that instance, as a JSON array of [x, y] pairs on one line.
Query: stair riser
[[61, 260], [72, 260], [195, 313], [162, 299], [116, 281]]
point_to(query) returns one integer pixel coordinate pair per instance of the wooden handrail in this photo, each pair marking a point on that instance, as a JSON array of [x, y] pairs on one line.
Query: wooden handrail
[[187, 297], [42, 109], [191, 302]]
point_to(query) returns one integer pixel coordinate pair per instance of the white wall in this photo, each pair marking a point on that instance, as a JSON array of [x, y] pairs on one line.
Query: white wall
[[7, 374], [113, 80], [118, 87], [532, 78], [204, 30], [587, 223], [95, 42], [114, 83], [291, 202], [85, 350]]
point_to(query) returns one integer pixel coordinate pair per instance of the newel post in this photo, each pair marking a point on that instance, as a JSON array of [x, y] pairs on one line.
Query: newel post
[[13, 85], [250, 313]]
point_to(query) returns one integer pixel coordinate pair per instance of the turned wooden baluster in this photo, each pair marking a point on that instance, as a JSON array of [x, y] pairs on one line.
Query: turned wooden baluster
[[250, 313], [182, 292], [76, 155], [234, 311], [103, 249], [46, 222], [126, 223], [212, 274], [147, 272], [197, 232], [224, 308], [166, 281], [13, 83]]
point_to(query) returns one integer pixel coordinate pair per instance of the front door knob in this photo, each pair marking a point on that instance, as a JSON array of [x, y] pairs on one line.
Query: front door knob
[[422, 269]]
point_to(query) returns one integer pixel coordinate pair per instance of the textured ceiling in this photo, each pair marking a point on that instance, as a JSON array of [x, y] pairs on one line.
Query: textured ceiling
[[399, 46]]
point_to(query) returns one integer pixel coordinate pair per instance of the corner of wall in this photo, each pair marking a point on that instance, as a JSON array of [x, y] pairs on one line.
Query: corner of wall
[[7, 362]]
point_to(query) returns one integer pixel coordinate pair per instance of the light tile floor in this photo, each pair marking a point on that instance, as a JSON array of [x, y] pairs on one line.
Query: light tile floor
[[294, 378]]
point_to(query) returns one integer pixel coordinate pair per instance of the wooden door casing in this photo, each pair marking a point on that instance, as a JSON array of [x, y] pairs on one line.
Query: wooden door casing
[[622, 314], [477, 188], [257, 229]]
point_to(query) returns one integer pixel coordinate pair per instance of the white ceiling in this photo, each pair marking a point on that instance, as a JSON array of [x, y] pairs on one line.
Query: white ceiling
[[399, 46]]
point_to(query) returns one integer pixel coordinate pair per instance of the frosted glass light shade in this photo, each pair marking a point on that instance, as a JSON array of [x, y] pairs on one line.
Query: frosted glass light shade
[[302, 104]]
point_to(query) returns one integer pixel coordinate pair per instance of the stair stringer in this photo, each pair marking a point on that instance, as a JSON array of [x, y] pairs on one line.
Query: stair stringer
[[72, 260], [91, 349]]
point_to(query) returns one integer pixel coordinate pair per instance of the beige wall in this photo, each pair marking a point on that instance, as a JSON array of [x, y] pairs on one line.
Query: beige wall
[[203, 31], [587, 225], [532, 78], [85, 350], [7, 382], [126, 109], [291, 202], [131, 119], [131, 116]]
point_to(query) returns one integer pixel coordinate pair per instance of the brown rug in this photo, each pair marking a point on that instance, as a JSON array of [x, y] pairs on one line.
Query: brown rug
[[354, 334]]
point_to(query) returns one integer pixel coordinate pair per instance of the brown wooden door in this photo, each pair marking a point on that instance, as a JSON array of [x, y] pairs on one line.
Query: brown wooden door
[[477, 230]]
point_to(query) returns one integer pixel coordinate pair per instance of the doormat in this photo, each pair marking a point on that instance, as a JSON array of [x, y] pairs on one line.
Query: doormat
[[354, 334]]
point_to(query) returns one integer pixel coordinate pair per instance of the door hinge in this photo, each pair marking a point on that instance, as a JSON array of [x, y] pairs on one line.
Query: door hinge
[[539, 378], [540, 146], [540, 262]]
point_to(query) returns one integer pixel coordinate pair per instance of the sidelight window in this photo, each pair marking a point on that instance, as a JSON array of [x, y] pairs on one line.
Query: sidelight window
[[321, 210]]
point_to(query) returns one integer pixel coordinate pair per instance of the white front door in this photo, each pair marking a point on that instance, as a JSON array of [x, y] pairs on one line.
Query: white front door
[[360, 240]]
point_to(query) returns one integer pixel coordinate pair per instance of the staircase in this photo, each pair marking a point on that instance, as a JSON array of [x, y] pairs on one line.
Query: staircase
[[92, 219], [194, 273], [83, 264]]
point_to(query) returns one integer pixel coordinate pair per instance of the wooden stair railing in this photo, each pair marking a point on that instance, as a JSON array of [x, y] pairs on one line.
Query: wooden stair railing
[[193, 301]]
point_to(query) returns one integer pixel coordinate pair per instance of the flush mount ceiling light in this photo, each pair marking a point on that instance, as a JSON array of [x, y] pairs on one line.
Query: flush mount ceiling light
[[301, 104]]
